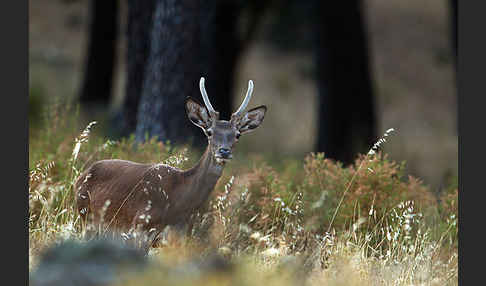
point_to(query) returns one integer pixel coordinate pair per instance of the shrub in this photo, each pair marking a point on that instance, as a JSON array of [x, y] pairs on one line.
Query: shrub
[[375, 188]]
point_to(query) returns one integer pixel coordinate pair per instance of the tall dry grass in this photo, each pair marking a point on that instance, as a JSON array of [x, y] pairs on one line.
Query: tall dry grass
[[308, 222]]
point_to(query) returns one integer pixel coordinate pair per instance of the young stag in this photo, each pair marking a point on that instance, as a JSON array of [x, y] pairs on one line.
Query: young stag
[[126, 195]]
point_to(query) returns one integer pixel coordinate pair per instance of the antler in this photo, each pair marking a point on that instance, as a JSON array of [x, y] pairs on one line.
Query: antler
[[204, 94], [245, 101]]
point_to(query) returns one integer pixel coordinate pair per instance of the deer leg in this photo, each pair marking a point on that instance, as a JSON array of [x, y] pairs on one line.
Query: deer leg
[[183, 227], [145, 233]]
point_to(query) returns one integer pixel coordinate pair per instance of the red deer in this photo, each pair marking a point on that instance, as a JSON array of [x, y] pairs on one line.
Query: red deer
[[124, 194]]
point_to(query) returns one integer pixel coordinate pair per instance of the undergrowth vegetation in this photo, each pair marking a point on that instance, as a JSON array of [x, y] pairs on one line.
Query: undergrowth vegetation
[[312, 221]]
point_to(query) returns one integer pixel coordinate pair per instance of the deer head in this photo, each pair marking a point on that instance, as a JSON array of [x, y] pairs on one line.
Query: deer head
[[222, 135]]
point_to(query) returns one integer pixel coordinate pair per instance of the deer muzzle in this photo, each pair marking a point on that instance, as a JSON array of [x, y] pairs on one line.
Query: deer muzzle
[[223, 154]]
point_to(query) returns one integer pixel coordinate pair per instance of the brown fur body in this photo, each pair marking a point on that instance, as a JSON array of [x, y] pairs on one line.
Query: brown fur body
[[135, 191]]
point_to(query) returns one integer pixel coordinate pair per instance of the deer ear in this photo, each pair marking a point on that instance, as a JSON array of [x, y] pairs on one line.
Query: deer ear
[[197, 114], [251, 120]]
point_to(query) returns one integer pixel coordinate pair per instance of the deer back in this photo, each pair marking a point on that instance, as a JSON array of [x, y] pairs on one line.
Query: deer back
[[117, 192]]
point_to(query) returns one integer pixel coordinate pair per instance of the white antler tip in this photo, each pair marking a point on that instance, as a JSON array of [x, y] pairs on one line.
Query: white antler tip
[[205, 96]]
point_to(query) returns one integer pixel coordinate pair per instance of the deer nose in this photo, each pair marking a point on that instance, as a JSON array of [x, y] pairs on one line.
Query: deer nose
[[225, 152]]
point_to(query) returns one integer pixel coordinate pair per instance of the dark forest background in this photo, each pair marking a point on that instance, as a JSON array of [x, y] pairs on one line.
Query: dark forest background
[[334, 76]]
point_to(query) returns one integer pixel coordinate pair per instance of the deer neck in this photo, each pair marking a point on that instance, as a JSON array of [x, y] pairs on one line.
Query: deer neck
[[201, 179], [207, 165]]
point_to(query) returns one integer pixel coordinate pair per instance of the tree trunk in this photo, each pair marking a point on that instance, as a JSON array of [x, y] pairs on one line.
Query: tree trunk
[[171, 44], [140, 15], [220, 44], [224, 44], [346, 110], [189, 39], [98, 72], [453, 13], [172, 72]]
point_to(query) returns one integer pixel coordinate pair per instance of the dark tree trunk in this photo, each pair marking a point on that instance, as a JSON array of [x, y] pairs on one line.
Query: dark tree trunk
[[139, 25], [220, 45], [224, 43], [346, 110], [189, 39], [171, 44], [98, 72], [172, 72], [453, 13]]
